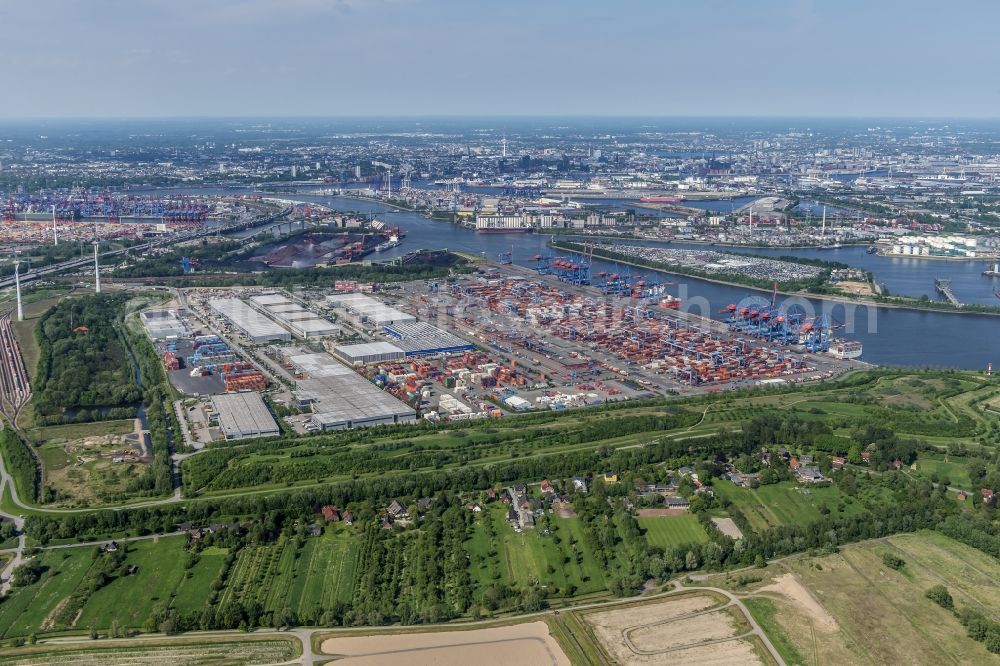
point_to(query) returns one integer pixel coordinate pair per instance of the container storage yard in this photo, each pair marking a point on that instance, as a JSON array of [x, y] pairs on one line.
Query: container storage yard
[[574, 331]]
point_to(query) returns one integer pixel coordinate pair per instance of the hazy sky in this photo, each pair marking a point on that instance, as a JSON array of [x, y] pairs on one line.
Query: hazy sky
[[499, 57]]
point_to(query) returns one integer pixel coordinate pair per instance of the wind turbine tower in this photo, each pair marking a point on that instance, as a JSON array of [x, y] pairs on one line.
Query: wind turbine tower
[[97, 271], [503, 147], [822, 233], [17, 286], [55, 234]]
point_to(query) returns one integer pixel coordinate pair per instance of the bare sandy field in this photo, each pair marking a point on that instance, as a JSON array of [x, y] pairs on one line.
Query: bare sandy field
[[728, 527], [660, 513], [515, 645], [651, 633], [789, 586], [681, 632], [721, 654]]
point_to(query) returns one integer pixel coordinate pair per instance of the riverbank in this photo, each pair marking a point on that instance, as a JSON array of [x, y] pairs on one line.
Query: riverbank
[[799, 294]]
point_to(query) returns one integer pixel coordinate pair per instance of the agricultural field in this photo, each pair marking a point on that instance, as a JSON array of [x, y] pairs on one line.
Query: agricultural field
[[690, 628], [300, 576], [244, 651], [670, 531], [841, 608], [527, 643]]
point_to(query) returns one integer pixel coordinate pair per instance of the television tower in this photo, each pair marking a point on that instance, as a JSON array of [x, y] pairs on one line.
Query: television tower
[[55, 234], [503, 146], [17, 286], [97, 271], [822, 233]]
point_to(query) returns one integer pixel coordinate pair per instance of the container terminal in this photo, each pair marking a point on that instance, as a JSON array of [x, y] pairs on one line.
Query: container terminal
[[505, 339]]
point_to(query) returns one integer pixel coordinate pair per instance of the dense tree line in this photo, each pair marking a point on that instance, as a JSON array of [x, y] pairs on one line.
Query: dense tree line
[[20, 464], [226, 468], [83, 370]]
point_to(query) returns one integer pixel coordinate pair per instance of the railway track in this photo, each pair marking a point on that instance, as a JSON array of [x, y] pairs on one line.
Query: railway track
[[15, 390]]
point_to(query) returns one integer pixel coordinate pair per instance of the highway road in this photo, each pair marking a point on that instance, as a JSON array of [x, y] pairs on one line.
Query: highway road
[[75, 264]]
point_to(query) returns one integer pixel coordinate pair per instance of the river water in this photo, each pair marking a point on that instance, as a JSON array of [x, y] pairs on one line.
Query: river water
[[890, 336]]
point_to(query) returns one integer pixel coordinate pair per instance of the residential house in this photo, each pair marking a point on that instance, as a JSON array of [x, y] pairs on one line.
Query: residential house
[[110, 547], [331, 514], [424, 503], [347, 517], [838, 462], [793, 464], [475, 508], [805, 459], [986, 493], [315, 529], [396, 510], [810, 474], [866, 457], [546, 487], [490, 494], [610, 477], [580, 484], [676, 503]]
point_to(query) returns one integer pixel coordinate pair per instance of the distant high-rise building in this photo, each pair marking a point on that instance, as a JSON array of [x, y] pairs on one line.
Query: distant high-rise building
[[357, 172], [222, 168], [295, 171]]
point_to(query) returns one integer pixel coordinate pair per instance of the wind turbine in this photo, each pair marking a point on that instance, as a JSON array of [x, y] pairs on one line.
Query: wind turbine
[[97, 270], [17, 285]]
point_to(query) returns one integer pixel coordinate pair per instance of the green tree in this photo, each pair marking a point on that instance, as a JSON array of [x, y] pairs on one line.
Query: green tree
[[939, 594]]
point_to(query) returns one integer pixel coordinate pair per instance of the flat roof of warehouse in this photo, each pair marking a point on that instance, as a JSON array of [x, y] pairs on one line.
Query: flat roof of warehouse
[[254, 323], [283, 308], [244, 415], [368, 349], [314, 325], [342, 395], [421, 337], [270, 299]]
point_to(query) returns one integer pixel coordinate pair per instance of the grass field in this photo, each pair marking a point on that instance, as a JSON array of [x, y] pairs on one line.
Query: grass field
[[945, 468], [130, 599], [26, 610], [502, 554], [670, 531], [880, 615], [190, 593], [785, 503]]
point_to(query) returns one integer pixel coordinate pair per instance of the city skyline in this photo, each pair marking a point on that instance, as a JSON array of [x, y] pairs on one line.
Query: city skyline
[[401, 58]]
